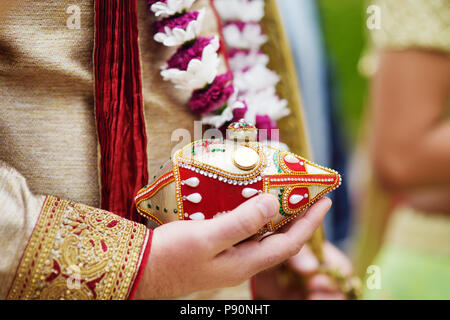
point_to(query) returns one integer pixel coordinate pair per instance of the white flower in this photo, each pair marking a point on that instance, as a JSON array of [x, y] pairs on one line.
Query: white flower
[[199, 73], [219, 120], [251, 37], [243, 10], [255, 79], [242, 60], [177, 36], [227, 115], [265, 102], [170, 8]]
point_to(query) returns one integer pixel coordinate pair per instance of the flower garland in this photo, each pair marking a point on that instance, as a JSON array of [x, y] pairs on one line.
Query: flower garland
[[255, 83], [247, 91]]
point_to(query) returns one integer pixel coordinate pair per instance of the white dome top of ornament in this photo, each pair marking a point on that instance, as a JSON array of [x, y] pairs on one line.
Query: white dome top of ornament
[[243, 131]]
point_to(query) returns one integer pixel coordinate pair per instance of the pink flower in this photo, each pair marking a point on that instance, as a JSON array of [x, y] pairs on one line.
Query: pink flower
[[239, 113], [192, 50], [265, 123], [178, 21], [214, 96], [234, 51], [240, 24]]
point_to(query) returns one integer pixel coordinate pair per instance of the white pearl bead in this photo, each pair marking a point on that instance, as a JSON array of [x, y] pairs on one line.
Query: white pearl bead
[[291, 159], [192, 182], [197, 216], [249, 192], [194, 198], [295, 199]]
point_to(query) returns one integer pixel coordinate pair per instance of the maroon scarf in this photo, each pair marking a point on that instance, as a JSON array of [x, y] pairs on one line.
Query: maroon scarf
[[119, 106]]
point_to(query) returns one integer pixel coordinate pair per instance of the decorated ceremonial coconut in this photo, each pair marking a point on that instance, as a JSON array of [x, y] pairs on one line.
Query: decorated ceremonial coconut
[[212, 177]]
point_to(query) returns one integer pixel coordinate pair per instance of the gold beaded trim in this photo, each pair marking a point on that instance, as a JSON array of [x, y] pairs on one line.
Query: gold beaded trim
[[178, 195], [79, 252], [149, 191], [180, 158]]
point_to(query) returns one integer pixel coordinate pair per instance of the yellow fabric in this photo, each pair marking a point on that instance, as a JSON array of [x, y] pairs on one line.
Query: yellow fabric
[[420, 24], [414, 261], [413, 23], [47, 124], [422, 231]]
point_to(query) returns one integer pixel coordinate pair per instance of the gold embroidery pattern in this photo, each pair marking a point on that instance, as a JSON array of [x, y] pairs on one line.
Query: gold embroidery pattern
[[79, 252]]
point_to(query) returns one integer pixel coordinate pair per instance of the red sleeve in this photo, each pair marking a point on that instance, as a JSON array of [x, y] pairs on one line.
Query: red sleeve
[[145, 252]]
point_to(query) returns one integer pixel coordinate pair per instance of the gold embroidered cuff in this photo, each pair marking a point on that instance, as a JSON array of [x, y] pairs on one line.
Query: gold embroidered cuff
[[79, 252]]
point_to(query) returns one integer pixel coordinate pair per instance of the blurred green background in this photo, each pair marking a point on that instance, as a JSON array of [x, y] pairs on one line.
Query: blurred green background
[[343, 23]]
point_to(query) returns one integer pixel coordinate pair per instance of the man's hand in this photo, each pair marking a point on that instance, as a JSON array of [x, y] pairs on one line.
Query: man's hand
[[190, 256], [316, 286]]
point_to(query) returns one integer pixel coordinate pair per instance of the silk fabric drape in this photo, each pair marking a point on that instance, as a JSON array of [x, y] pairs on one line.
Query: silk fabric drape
[[119, 106]]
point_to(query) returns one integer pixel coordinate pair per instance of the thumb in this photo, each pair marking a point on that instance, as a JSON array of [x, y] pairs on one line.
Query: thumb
[[243, 222]]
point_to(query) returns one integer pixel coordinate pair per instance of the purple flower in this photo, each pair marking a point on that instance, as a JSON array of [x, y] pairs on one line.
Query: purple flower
[[265, 123], [239, 113], [192, 50], [234, 51], [213, 96], [178, 21]]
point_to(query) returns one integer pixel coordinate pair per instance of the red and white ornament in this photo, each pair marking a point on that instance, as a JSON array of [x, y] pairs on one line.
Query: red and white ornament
[[213, 177]]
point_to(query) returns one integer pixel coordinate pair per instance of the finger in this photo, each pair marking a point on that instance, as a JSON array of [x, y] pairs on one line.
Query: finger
[[322, 201], [337, 259], [279, 247], [302, 229], [323, 283], [326, 296], [243, 222]]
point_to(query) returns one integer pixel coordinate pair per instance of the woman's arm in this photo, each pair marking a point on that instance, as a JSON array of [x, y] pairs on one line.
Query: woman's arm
[[411, 126], [432, 200]]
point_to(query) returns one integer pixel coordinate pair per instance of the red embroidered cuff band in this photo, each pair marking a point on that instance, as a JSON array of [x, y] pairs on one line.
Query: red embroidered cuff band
[[79, 252]]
